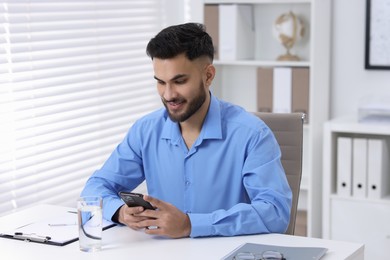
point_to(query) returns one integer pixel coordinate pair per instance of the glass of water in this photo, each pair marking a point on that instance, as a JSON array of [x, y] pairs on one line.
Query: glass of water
[[90, 221]]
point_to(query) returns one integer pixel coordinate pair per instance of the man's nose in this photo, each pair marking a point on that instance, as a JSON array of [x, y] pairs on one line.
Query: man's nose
[[169, 92]]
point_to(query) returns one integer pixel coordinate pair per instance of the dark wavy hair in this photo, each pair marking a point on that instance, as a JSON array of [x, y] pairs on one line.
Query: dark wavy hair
[[189, 38]]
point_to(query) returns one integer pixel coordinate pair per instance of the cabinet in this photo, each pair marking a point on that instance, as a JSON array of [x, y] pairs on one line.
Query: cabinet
[[350, 217], [236, 81]]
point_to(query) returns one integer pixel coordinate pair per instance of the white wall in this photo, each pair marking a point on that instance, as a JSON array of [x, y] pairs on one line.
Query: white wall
[[180, 11], [350, 82]]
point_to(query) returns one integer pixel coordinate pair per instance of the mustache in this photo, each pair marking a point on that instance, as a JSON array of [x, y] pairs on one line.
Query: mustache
[[173, 100]]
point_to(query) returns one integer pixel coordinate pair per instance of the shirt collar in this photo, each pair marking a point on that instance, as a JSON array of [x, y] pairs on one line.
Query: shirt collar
[[212, 126], [211, 129]]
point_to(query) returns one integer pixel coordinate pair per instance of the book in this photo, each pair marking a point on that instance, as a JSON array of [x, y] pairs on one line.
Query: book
[[211, 21], [236, 32], [344, 166], [300, 91], [359, 167], [281, 98], [264, 89], [288, 252], [378, 168]]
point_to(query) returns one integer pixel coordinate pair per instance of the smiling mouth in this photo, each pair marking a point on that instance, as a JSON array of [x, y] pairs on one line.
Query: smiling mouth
[[174, 104], [175, 107]]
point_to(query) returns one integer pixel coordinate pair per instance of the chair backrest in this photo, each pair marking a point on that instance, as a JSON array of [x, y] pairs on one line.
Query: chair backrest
[[288, 131]]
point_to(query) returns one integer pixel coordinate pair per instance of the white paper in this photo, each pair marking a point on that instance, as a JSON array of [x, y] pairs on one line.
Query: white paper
[[61, 229]]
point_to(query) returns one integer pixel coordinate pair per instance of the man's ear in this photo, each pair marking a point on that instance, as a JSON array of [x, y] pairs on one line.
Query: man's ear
[[210, 74]]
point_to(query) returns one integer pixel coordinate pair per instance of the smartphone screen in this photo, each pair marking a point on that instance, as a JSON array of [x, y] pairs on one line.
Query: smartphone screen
[[135, 199]]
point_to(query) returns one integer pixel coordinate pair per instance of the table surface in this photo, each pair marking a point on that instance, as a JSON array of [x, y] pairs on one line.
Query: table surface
[[122, 242]]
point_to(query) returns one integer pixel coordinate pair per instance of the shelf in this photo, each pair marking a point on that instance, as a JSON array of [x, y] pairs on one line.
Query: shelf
[[384, 200], [349, 222], [344, 210], [237, 80], [262, 47], [351, 125], [258, 63]]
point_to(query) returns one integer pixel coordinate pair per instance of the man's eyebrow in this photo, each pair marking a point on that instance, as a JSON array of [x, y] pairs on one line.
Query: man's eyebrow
[[178, 76], [156, 78]]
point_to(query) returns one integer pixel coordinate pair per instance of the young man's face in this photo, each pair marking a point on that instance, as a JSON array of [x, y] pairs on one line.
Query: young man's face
[[181, 85]]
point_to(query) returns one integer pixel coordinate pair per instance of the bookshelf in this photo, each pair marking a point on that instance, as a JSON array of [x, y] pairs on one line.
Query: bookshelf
[[350, 216], [236, 81]]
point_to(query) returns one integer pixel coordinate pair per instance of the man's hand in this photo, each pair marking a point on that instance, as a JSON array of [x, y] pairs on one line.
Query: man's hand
[[127, 216], [166, 220]]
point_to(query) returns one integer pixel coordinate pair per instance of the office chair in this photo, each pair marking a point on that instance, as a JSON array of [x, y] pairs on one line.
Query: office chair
[[288, 131]]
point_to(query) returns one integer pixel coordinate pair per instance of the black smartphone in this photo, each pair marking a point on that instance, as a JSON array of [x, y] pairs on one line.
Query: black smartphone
[[135, 199]]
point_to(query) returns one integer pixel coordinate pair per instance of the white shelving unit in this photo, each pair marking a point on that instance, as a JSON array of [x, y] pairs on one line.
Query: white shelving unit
[[236, 82], [362, 220]]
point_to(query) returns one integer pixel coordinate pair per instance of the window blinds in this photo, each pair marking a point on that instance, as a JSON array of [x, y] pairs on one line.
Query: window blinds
[[74, 76]]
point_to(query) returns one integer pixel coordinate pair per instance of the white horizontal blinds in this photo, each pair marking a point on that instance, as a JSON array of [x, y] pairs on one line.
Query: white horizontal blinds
[[73, 77]]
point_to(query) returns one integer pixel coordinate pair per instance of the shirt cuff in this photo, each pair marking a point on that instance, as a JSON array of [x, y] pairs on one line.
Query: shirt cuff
[[110, 207], [201, 225]]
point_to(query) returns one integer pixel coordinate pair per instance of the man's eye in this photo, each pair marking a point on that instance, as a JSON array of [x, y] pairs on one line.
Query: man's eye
[[182, 81]]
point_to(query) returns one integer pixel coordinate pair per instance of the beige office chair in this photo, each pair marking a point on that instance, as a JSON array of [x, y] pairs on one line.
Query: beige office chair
[[288, 130]]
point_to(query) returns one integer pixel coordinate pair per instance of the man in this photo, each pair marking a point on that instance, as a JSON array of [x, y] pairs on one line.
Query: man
[[211, 168]]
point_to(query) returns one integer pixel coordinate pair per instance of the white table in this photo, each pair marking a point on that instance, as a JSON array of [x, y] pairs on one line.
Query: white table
[[123, 243]]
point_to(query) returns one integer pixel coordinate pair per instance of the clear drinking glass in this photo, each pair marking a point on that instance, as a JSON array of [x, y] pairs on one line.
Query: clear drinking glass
[[90, 221]]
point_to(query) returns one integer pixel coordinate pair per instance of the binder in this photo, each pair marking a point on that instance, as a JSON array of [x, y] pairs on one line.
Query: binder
[[344, 166], [359, 168], [378, 168], [281, 101], [300, 91], [58, 231], [211, 21], [236, 32], [264, 89], [289, 252]]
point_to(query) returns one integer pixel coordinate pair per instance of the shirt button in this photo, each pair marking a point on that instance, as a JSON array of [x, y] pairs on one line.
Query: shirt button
[[188, 183]]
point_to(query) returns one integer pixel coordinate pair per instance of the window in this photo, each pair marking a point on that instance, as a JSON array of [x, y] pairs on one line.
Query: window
[[74, 76]]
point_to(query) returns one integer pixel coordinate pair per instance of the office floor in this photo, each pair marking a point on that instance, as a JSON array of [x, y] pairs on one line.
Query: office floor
[[300, 224]]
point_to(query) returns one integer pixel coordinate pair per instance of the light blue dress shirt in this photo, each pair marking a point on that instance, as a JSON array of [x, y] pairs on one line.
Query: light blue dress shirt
[[230, 182]]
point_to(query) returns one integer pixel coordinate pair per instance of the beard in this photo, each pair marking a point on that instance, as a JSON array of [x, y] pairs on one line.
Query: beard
[[192, 105]]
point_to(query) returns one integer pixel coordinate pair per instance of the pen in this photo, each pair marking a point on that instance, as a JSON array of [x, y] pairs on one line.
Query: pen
[[62, 224], [31, 237]]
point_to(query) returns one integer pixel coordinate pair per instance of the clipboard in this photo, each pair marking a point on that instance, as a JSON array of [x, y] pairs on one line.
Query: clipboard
[[59, 230]]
